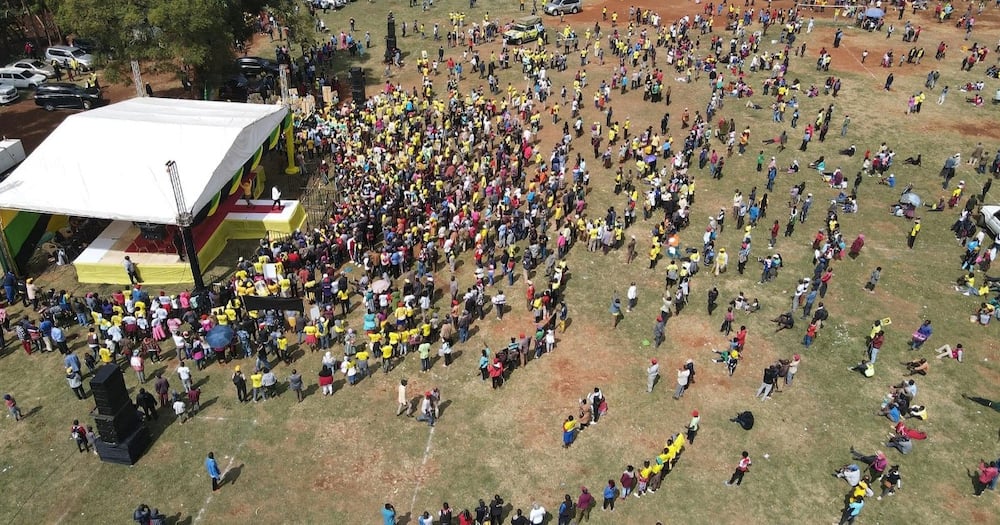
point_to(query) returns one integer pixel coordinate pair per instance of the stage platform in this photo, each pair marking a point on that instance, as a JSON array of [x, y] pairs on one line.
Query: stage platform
[[158, 262]]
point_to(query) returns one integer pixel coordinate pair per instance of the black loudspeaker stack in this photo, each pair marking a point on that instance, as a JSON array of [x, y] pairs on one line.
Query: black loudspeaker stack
[[121, 436], [390, 39], [358, 84]]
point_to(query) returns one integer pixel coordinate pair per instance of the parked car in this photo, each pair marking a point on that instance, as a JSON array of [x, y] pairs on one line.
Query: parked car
[[35, 66], [256, 66], [560, 7], [238, 88], [989, 218], [65, 95], [62, 54], [21, 78], [8, 94], [524, 29], [87, 45]]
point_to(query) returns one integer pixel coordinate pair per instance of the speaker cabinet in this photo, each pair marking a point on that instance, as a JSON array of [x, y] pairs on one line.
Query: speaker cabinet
[[357, 84], [128, 450], [110, 394], [114, 429]]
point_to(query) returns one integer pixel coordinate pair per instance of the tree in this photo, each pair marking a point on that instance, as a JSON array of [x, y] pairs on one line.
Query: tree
[[199, 35]]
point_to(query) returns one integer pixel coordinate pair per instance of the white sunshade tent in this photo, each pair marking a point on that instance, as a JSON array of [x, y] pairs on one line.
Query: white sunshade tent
[[110, 162]]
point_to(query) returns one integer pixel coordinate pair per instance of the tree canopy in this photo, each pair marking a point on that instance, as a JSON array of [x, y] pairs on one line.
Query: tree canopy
[[200, 34]]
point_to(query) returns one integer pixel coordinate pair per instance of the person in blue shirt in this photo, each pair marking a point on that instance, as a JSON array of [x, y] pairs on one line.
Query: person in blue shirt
[[72, 361], [610, 495], [852, 511], [213, 471], [388, 515]]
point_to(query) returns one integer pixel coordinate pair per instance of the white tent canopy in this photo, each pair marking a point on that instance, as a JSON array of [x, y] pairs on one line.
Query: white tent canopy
[[110, 162]]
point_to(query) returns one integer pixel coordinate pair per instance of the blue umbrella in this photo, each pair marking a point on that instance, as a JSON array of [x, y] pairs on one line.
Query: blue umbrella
[[874, 12], [219, 336]]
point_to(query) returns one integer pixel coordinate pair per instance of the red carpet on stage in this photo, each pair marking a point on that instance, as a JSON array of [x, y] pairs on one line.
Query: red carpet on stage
[[202, 232]]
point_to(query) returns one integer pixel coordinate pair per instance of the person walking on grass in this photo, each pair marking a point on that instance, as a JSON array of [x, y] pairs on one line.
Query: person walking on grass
[[741, 469], [683, 376], [12, 408], [402, 400], [873, 279], [584, 503], [79, 434], [213, 471], [652, 373]]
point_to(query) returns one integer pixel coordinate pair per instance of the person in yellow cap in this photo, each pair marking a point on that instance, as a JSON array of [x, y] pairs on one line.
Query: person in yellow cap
[[240, 381]]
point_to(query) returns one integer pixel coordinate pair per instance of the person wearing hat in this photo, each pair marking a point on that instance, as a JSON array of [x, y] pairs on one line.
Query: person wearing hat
[[75, 381], [912, 237], [240, 381], [652, 373], [426, 409], [693, 425]]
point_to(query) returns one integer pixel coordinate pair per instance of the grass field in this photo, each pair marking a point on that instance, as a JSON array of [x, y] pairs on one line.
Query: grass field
[[339, 459]]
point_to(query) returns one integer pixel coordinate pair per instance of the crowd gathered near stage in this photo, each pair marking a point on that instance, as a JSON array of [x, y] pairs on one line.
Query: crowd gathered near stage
[[462, 198]]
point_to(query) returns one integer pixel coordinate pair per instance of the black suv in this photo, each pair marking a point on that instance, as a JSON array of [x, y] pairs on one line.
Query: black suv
[[257, 66], [65, 95]]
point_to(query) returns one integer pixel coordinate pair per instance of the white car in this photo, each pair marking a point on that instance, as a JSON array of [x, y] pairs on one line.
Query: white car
[[64, 54], [21, 78], [35, 66], [989, 218], [8, 94]]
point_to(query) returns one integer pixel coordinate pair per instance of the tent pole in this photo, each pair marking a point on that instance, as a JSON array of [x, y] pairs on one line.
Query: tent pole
[[192, 257]]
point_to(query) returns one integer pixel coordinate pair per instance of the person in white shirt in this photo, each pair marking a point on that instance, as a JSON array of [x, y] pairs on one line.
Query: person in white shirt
[[180, 409], [276, 197], [537, 514], [633, 296], [403, 400], [652, 373], [683, 374], [185, 374]]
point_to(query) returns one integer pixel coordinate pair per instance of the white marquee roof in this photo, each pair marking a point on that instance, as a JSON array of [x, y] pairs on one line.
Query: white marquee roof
[[110, 162]]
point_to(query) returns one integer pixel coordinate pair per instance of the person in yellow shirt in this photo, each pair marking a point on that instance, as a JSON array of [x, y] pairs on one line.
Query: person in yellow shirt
[[105, 355], [644, 474], [569, 431], [361, 362], [282, 344], [386, 357], [257, 383], [656, 476], [312, 336]]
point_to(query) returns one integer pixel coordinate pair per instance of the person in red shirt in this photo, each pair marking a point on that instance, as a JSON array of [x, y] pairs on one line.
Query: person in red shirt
[[987, 473], [741, 338], [741, 469]]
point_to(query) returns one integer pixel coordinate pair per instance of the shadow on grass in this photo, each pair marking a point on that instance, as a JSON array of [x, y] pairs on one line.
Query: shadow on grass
[[232, 475], [177, 520]]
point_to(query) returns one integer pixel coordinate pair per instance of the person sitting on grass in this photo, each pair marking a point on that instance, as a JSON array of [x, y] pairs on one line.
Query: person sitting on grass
[[865, 367], [900, 443], [920, 366], [785, 321], [954, 353]]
